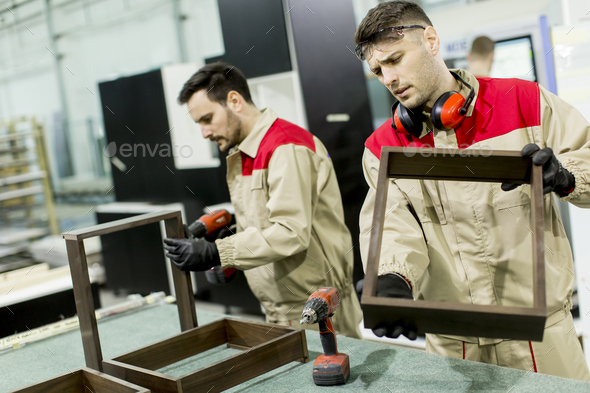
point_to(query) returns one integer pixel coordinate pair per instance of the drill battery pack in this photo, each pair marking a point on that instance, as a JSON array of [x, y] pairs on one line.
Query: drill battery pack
[[331, 370]]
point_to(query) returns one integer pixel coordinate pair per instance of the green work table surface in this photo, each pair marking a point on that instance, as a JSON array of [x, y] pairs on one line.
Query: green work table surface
[[373, 367]]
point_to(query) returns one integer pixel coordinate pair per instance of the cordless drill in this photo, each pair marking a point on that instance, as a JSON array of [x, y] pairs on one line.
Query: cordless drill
[[206, 225], [331, 368]]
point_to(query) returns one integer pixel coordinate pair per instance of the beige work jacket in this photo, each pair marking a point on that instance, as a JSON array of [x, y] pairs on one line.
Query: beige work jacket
[[471, 242], [291, 238]]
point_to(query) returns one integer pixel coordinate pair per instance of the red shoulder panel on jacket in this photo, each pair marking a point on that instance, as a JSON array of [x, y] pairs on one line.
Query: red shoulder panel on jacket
[[502, 106], [386, 135], [280, 133]]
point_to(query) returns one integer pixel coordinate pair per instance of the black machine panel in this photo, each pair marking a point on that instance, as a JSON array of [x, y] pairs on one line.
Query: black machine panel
[[333, 82], [255, 37]]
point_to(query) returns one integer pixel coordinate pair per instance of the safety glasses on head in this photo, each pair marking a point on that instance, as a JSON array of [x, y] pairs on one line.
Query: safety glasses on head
[[382, 41]]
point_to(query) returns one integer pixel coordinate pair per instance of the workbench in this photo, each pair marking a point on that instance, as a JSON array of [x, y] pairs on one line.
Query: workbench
[[374, 366]]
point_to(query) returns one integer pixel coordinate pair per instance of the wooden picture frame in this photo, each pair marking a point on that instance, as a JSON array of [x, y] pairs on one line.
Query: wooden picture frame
[[83, 381], [265, 346], [269, 346], [517, 323]]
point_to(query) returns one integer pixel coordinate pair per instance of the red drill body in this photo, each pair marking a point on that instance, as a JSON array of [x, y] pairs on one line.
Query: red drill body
[[206, 225], [331, 368]]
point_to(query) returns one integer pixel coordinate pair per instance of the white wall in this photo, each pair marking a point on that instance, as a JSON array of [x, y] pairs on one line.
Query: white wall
[[464, 19], [108, 39], [575, 11]]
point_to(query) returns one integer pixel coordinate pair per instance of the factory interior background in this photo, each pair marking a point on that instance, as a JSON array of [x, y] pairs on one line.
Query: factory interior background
[[91, 132]]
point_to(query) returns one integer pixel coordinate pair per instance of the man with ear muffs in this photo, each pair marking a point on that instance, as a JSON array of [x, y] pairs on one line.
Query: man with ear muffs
[[467, 242]]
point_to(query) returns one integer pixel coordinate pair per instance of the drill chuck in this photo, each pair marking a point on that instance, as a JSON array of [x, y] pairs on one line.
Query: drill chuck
[[308, 316], [198, 229], [316, 309]]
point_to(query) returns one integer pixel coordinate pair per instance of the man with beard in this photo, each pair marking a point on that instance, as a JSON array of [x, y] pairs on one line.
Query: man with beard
[[291, 238], [468, 242]]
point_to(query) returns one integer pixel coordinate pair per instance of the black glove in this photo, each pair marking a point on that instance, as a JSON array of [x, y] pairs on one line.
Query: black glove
[[220, 234], [555, 177], [392, 285], [192, 254]]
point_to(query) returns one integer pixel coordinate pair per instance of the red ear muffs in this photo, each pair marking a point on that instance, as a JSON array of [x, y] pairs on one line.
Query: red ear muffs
[[446, 113], [406, 121]]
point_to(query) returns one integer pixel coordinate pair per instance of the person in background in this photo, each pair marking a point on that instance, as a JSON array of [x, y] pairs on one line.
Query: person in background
[[468, 242], [481, 57], [291, 238]]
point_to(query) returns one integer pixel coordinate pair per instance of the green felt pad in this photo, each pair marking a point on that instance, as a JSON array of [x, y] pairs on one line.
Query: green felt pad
[[374, 367]]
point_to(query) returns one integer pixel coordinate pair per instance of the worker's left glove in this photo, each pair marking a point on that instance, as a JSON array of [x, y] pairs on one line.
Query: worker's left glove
[[394, 286], [555, 177], [192, 254]]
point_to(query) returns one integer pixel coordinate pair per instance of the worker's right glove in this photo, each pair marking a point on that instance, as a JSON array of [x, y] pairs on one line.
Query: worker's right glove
[[395, 286], [192, 254], [555, 177]]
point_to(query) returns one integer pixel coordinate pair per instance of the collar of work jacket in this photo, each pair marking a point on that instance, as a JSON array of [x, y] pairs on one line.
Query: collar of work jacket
[[251, 143], [427, 125]]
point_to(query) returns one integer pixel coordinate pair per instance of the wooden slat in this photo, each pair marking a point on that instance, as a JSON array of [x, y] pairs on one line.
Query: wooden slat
[[84, 303], [25, 271], [22, 282], [183, 286], [245, 366], [84, 381], [22, 178], [98, 382], [177, 348], [21, 192], [249, 334], [370, 282], [120, 225], [67, 383], [457, 319], [456, 164], [153, 380], [537, 222]]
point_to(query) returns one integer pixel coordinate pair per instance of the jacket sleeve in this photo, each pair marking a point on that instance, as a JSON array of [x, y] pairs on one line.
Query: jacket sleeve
[[292, 176], [403, 247], [567, 132]]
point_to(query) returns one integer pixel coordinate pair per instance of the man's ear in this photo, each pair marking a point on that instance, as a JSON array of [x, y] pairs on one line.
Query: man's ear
[[235, 101], [432, 40]]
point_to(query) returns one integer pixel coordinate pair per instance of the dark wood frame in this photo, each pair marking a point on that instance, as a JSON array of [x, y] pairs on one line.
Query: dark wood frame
[[81, 280], [518, 323], [78, 381], [268, 346], [265, 346]]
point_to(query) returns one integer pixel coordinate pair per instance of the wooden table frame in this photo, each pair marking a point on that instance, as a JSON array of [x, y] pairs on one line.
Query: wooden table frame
[[265, 347], [81, 280], [268, 346], [518, 323]]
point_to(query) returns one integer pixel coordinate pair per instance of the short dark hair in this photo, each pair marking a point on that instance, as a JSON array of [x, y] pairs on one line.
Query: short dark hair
[[390, 14], [218, 79], [482, 47]]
